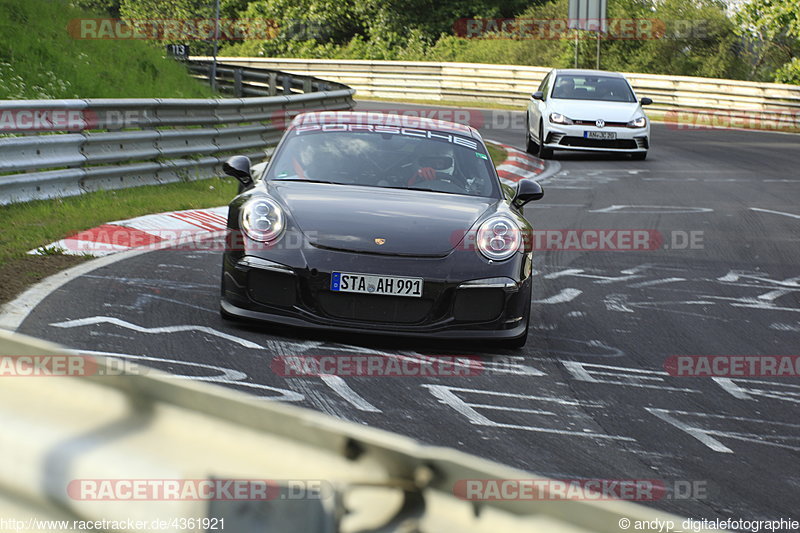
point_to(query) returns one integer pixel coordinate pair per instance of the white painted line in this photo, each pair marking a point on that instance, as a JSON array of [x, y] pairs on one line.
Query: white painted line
[[229, 377], [790, 215], [446, 396], [340, 387], [165, 329], [566, 295], [16, 311], [652, 209], [655, 282], [697, 433], [628, 377]]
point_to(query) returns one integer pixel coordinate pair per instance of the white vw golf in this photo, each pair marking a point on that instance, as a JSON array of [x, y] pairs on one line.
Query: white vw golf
[[586, 110]]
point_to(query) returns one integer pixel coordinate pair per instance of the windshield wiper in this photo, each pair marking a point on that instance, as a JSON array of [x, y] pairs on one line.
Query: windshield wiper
[[305, 180], [421, 189]]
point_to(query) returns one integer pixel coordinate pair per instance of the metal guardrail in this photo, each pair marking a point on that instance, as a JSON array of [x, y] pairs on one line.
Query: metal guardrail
[[106, 426], [513, 85], [118, 143]]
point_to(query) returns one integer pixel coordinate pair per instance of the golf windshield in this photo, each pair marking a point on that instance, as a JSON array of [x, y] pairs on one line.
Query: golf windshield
[[386, 156], [602, 88]]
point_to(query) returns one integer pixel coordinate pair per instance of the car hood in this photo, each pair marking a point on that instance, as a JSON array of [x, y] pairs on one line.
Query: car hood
[[594, 109], [353, 218]]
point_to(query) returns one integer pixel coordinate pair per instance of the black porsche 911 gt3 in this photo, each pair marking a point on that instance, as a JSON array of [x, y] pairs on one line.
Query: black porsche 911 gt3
[[377, 223]]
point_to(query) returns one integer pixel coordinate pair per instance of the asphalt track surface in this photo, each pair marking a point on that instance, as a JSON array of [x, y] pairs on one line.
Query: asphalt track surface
[[588, 396]]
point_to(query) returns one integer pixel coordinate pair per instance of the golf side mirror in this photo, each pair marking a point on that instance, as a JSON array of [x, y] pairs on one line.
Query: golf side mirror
[[646, 101], [527, 191], [538, 95]]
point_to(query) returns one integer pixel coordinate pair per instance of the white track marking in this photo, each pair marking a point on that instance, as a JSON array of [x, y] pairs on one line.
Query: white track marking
[[447, 396], [165, 329], [566, 295], [746, 389], [16, 311], [655, 282], [628, 274], [697, 433], [767, 430], [652, 209], [785, 327], [229, 376], [732, 389], [790, 215], [340, 387], [617, 375]]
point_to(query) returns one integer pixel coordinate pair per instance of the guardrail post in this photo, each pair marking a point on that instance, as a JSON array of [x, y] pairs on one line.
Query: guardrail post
[[237, 83], [273, 83], [287, 84], [307, 85]]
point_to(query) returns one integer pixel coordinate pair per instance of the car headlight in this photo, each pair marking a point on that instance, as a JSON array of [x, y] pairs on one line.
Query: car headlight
[[498, 238], [639, 122], [262, 219], [558, 118]]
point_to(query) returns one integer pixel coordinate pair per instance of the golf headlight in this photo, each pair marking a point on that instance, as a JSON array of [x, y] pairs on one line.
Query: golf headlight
[[262, 219], [498, 238], [558, 118], [640, 122]]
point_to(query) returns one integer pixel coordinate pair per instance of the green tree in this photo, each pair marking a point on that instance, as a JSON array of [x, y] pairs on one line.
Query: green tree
[[772, 30]]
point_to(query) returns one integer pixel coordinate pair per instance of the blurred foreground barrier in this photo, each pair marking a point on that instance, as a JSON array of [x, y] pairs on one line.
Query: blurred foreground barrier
[[729, 103], [68, 147], [145, 448]]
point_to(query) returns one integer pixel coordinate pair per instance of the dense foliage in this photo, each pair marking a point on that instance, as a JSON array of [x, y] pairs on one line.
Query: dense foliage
[[40, 59], [754, 39]]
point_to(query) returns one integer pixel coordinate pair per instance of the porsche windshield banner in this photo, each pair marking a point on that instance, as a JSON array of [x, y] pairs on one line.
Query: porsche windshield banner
[[391, 130]]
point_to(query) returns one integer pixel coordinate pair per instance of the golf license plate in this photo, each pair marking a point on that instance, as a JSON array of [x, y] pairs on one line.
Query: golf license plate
[[375, 284], [602, 135]]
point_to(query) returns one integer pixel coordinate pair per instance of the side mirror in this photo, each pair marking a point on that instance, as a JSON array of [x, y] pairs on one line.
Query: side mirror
[[527, 191], [238, 166], [646, 101], [538, 95]]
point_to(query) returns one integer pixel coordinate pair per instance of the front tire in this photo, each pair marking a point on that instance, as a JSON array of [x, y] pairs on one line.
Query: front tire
[[530, 146], [544, 153]]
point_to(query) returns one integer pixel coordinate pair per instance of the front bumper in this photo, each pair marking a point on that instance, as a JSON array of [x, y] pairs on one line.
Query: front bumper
[[495, 307], [571, 137]]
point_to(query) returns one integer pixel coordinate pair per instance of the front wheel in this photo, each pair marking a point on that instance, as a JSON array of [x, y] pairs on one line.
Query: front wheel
[[530, 146], [544, 153]]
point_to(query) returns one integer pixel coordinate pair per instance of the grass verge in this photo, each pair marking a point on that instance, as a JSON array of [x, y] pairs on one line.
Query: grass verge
[[497, 153], [42, 55], [31, 225]]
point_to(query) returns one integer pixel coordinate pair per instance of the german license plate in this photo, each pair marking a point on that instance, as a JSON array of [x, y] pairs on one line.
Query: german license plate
[[374, 284], [602, 135]]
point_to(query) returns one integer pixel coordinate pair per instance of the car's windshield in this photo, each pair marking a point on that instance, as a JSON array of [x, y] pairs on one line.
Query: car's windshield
[[384, 156], [584, 87]]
